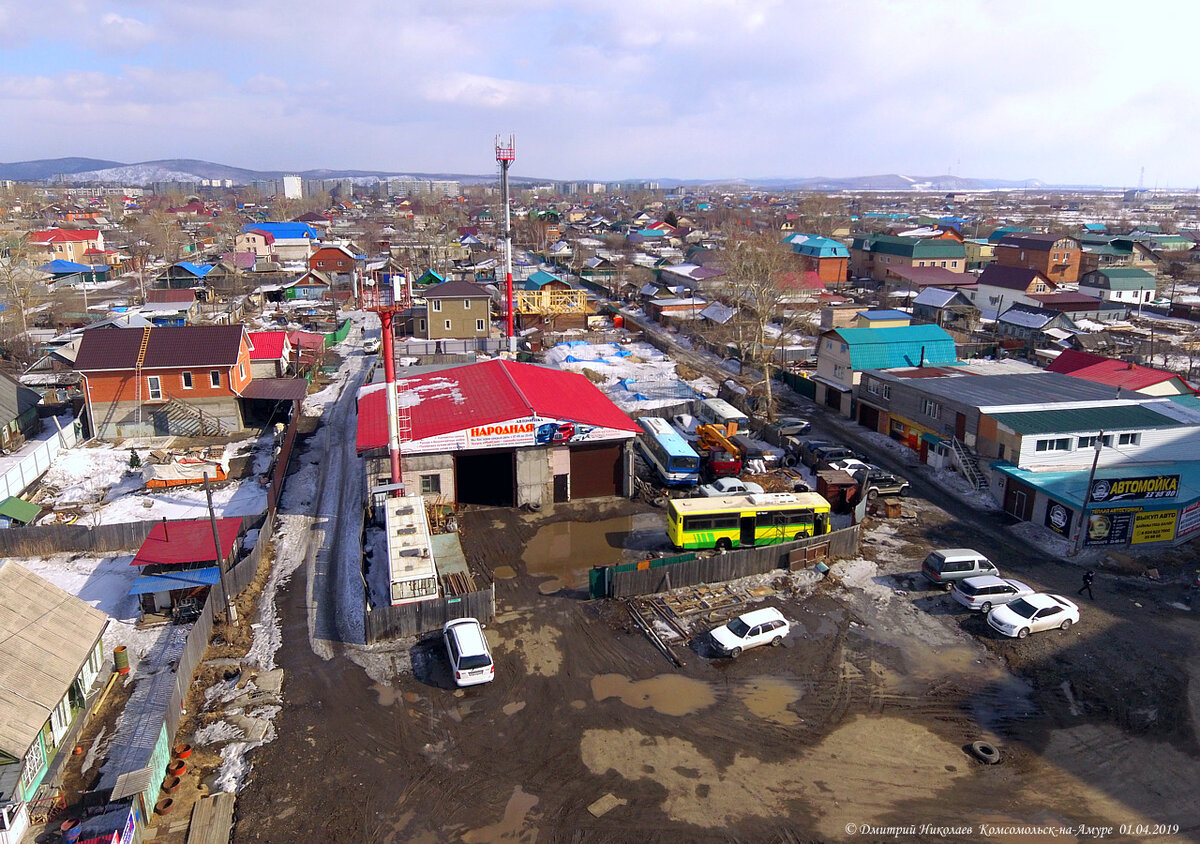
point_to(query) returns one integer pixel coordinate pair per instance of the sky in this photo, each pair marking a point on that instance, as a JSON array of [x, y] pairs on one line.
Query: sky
[[1062, 91]]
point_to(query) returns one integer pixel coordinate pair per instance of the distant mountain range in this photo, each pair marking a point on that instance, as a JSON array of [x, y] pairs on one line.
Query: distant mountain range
[[86, 170]]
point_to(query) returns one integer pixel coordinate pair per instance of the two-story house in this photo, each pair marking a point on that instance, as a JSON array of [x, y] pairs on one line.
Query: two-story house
[[1000, 286], [1055, 256], [293, 241], [871, 256], [828, 258], [69, 244], [454, 310], [256, 241], [1102, 251], [1128, 285], [843, 353], [164, 381], [336, 261]]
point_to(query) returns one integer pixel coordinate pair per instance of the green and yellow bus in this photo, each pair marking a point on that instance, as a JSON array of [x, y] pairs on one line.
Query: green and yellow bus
[[743, 521]]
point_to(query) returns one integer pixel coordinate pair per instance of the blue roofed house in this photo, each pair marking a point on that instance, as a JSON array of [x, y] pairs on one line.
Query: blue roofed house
[[183, 275], [68, 272], [292, 241], [843, 353]]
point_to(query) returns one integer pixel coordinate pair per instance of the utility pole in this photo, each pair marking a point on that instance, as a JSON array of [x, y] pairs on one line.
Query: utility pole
[[230, 610]]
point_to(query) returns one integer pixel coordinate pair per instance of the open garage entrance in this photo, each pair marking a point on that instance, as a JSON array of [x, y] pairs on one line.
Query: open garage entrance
[[596, 471], [487, 477]]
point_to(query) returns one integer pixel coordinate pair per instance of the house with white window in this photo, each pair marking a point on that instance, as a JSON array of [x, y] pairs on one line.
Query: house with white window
[[51, 661], [453, 310], [1128, 285]]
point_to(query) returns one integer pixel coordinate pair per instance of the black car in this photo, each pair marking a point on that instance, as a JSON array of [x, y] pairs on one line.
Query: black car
[[822, 457], [809, 449]]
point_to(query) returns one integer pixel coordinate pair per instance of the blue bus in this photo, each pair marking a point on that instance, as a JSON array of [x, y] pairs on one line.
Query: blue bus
[[673, 460]]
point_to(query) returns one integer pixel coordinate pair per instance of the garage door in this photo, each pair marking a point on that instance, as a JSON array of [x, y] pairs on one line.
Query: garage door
[[596, 470]]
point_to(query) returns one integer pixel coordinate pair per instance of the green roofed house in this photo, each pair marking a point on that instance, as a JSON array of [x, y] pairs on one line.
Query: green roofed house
[[843, 353], [873, 255], [1128, 285]]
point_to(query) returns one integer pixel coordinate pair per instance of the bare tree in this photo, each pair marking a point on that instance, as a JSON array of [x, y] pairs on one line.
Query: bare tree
[[21, 288], [759, 285]]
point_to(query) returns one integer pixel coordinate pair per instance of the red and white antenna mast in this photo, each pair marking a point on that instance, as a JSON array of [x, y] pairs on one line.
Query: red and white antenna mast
[[506, 153], [387, 301]]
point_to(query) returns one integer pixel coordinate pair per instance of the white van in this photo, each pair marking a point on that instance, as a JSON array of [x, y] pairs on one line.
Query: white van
[[721, 412]]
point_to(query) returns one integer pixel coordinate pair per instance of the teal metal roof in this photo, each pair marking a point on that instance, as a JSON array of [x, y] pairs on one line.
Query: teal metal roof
[[1069, 487], [899, 346], [915, 247], [816, 246], [1087, 420], [1126, 278]]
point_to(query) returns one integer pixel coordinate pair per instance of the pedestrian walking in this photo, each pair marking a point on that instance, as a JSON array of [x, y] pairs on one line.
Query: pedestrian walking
[[1088, 577]]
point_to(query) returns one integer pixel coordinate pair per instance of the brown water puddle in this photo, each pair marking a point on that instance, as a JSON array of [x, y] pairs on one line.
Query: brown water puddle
[[504, 573], [568, 550], [769, 698], [512, 826], [669, 694]]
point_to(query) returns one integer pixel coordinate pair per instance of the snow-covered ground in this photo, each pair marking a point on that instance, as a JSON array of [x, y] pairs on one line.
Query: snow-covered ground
[[636, 376]]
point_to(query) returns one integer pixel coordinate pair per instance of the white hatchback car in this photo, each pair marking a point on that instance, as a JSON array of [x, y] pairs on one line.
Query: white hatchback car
[[1032, 614], [986, 591], [467, 647], [749, 630]]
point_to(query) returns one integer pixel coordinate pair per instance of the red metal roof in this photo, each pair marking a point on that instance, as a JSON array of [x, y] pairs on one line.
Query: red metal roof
[[1109, 371], [267, 345], [64, 235], [190, 541], [182, 346], [484, 393]]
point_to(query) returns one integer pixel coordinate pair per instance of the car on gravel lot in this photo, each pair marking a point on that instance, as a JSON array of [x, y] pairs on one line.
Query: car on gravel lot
[[790, 426], [1032, 614], [728, 486], [946, 565], [467, 647], [749, 630], [877, 482], [987, 591]]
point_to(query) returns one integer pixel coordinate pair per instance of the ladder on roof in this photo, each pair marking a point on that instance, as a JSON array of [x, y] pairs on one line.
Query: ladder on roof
[[137, 373]]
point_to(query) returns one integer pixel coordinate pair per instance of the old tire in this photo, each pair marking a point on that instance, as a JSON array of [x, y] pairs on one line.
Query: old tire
[[788, 461], [533, 506], [985, 752], [724, 546], [872, 494], [1066, 625], [659, 501]]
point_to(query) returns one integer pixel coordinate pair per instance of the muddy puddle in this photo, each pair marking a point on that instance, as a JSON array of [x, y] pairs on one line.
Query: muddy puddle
[[669, 694], [568, 550], [769, 698]]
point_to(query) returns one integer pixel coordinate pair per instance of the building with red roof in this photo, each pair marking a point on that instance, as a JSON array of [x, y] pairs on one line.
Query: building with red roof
[[178, 561], [270, 354], [501, 433], [68, 244], [1120, 374]]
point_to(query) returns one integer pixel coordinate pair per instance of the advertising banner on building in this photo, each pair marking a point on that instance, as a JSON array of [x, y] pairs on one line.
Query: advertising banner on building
[[1132, 489], [514, 433], [1189, 519], [1110, 527], [1154, 526], [1058, 518]]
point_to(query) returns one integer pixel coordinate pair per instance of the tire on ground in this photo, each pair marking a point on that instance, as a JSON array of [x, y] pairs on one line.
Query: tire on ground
[[985, 752]]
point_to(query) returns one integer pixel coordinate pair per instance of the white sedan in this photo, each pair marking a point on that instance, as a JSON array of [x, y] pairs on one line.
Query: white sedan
[[729, 486], [749, 630], [1032, 614]]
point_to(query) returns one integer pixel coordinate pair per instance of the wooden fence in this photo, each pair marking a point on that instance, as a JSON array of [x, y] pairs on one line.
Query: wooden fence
[[624, 581], [424, 616]]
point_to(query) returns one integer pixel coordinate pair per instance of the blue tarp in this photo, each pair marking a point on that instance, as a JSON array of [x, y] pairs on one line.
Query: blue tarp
[[175, 580]]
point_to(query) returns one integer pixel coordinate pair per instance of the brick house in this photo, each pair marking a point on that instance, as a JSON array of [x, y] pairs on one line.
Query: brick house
[[335, 261], [68, 244], [455, 310], [164, 381], [1055, 256], [871, 256], [828, 258]]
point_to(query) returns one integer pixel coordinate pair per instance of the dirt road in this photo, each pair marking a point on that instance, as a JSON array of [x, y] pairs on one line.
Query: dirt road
[[860, 719]]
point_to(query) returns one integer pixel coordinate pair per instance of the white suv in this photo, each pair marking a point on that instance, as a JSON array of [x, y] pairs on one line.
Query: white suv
[[470, 658], [760, 627]]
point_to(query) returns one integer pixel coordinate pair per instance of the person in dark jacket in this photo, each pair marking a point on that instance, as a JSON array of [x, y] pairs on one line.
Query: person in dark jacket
[[1088, 577]]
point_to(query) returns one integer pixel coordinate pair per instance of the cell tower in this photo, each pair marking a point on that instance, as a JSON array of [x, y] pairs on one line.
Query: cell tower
[[386, 302], [506, 153]]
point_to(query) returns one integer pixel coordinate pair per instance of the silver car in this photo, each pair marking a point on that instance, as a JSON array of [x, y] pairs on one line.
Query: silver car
[[986, 591]]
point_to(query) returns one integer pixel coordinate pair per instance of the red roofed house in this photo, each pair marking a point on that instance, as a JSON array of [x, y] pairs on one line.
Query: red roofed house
[[178, 563], [183, 381], [336, 261], [1120, 373], [270, 354], [261, 243], [68, 244], [500, 433]]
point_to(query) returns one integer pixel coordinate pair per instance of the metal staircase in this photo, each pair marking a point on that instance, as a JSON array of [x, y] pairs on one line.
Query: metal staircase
[[968, 464]]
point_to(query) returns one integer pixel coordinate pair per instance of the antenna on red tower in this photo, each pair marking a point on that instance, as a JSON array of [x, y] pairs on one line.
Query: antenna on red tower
[[506, 153], [387, 301]]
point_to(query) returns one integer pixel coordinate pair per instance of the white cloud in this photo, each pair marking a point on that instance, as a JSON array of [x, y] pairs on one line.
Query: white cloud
[[125, 32]]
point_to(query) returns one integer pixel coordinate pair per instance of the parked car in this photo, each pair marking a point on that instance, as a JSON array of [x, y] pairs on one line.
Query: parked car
[[882, 482], [987, 591], [749, 630], [1032, 614], [729, 486], [370, 345], [849, 464], [467, 647], [833, 453], [808, 451], [790, 426], [946, 565]]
